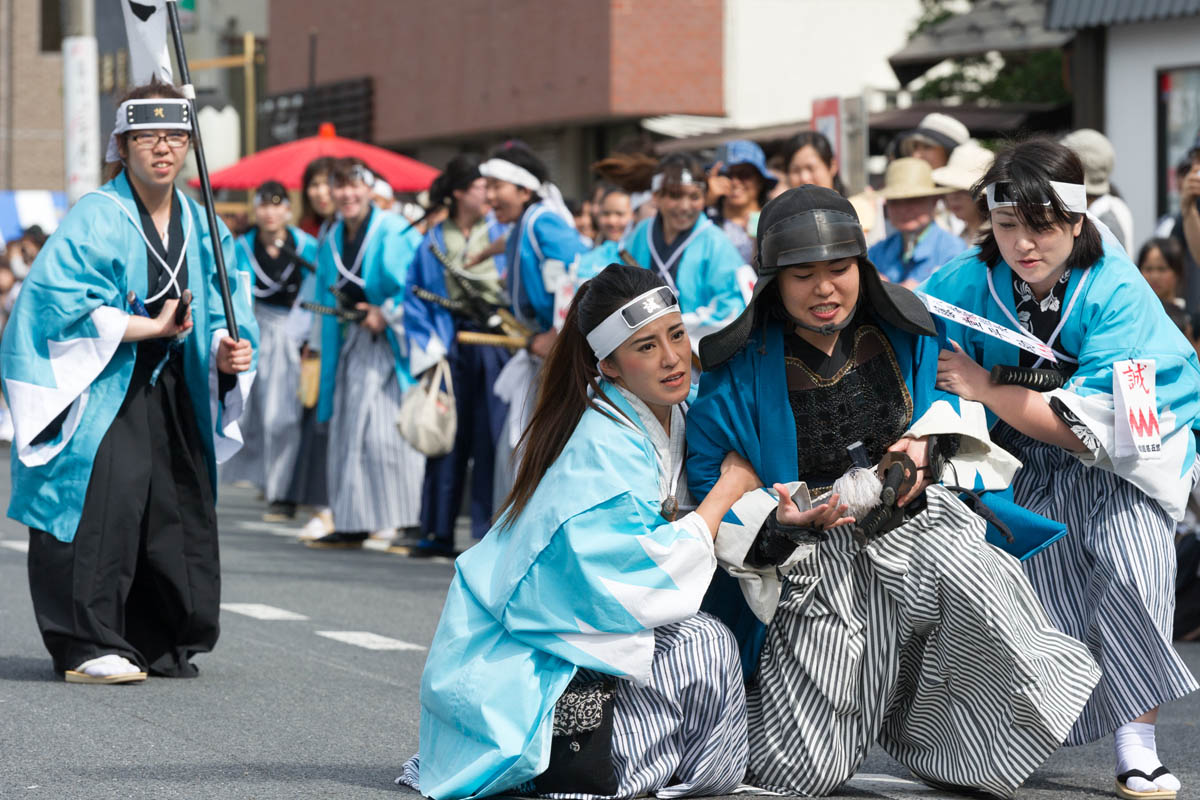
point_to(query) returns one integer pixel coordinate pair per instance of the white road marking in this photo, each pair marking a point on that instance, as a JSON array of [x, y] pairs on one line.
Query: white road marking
[[260, 611], [371, 641], [20, 545]]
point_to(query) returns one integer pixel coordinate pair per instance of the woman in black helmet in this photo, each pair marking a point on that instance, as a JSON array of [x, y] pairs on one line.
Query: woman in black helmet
[[875, 629]]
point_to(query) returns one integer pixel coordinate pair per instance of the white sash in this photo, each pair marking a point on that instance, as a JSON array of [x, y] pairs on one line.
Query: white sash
[[664, 268], [172, 274], [354, 274], [271, 286], [1061, 321]]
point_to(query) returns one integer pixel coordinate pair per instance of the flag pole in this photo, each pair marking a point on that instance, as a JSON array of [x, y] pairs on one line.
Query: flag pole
[[189, 92]]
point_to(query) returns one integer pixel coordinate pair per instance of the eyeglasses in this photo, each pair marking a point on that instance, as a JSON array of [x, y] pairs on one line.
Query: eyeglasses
[[148, 140]]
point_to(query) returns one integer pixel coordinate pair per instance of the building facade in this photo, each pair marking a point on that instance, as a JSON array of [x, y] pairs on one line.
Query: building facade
[[31, 113]]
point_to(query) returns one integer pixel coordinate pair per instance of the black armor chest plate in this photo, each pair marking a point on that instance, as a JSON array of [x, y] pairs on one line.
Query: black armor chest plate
[[866, 400]]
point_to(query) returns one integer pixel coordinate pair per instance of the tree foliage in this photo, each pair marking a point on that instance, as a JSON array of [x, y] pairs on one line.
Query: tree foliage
[[1030, 77]]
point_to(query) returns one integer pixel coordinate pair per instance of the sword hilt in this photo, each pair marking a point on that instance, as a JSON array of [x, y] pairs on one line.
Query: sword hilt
[[1037, 379]]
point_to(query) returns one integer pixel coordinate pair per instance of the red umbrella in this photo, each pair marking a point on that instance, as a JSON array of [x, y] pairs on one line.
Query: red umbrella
[[286, 162]]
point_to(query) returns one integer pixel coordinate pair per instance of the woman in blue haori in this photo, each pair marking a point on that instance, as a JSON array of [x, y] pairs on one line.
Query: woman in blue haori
[[570, 658], [907, 627], [540, 247], [271, 421], [689, 252], [374, 475], [615, 214], [122, 411], [1117, 479], [440, 269]]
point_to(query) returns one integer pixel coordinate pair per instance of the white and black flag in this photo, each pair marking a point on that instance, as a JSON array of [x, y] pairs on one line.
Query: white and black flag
[[146, 29]]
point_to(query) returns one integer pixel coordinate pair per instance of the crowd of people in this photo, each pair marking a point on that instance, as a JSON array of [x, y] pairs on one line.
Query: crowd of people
[[744, 507]]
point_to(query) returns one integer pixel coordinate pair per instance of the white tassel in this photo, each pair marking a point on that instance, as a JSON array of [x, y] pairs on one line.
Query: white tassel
[[859, 489]]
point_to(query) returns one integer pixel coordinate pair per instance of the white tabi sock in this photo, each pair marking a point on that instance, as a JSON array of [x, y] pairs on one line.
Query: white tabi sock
[[107, 666], [1135, 748]]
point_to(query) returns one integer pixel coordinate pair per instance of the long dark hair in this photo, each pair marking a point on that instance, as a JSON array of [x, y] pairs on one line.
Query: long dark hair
[[631, 172], [155, 88], [1029, 167], [459, 174], [570, 378], [817, 141], [316, 167]]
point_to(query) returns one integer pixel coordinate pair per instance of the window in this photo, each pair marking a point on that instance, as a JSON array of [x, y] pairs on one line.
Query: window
[[1178, 128], [52, 29]]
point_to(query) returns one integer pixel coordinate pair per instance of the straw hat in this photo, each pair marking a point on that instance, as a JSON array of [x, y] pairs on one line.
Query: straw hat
[[967, 164], [907, 178]]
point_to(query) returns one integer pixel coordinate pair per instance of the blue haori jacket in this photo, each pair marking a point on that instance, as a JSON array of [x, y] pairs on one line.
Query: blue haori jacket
[[579, 580], [743, 407], [935, 247], [299, 322], [539, 249], [1111, 315], [592, 263], [431, 328], [387, 250], [62, 350], [712, 280]]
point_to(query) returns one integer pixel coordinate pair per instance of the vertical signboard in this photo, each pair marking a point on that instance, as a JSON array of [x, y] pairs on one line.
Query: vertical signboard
[[81, 115]]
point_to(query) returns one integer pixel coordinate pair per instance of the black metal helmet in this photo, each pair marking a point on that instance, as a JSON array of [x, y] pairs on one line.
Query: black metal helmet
[[805, 225]]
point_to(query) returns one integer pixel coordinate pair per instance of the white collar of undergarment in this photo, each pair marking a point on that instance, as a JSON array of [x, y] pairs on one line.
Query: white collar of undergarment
[[669, 449]]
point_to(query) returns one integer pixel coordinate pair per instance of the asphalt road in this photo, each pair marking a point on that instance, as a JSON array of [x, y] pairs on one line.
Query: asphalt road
[[312, 689]]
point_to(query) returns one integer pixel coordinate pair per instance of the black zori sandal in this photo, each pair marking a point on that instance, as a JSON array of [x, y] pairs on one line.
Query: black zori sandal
[[1156, 794]]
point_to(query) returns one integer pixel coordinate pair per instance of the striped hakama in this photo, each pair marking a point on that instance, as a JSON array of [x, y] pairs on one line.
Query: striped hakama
[[374, 474], [927, 639], [1110, 582], [271, 419], [682, 735]]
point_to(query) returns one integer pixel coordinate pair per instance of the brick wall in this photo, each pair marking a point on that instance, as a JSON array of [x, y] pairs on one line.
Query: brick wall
[[465, 67], [31, 143], [667, 57]]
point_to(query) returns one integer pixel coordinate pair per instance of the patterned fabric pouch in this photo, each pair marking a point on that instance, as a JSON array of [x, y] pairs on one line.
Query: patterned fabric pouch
[[581, 750]]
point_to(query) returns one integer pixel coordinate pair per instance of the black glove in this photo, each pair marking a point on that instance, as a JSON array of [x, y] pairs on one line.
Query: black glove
[[776, 542]]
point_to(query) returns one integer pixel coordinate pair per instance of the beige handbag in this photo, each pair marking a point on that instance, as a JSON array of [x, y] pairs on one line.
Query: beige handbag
[[428, 419], [310, 381]]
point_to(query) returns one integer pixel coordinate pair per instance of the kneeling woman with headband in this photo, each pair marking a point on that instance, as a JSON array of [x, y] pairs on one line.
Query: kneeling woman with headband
[[571, 638]]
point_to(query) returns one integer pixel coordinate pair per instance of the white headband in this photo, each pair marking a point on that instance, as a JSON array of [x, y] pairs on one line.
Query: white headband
[[167, 114], [1073, 196], [503, 170], [656, 183], [360, 173], [629, 319]]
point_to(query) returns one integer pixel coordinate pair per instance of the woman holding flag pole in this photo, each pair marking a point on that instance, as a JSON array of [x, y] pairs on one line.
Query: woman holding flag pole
[[126, 382], [1105, 433]]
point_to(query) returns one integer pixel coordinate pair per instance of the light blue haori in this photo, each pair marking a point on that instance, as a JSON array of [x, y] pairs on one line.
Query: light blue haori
[[579, 580], [593, 262], [62, 349], [712, 280], [1110, 315], [381, 269], [539, 249]]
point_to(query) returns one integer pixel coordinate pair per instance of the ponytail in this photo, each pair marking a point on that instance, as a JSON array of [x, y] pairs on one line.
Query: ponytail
[[570, 379], [569, 386]]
